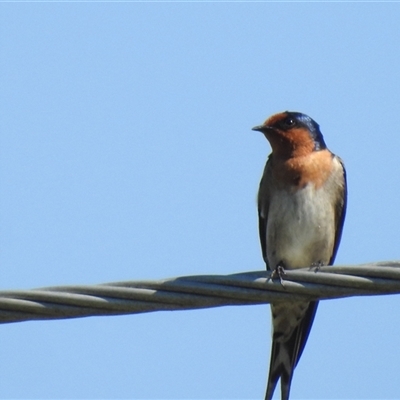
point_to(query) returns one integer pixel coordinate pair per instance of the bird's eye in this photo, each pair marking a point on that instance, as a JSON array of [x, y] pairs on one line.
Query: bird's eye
[[288, 122]]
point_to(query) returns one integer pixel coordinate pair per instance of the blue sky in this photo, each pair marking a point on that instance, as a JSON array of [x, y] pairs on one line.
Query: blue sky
[[126, 152]]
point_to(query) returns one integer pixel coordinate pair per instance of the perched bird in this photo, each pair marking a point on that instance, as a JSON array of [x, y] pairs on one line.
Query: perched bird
[[301, 209]]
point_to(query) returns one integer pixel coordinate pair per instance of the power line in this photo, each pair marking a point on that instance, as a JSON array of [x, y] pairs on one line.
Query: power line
[[201, 291]]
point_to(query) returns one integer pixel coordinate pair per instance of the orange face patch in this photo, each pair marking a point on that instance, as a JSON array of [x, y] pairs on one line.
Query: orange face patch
[[271, 121], [296, 142], [299, 141]]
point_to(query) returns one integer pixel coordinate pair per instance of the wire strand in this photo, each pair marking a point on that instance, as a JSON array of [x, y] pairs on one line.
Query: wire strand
[[195, 292]]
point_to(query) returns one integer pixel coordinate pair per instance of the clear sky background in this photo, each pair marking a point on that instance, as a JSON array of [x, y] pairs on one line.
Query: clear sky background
[[126, 152]]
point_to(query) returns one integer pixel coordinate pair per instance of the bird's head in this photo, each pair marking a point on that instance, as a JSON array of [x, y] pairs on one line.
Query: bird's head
[[292, 134]]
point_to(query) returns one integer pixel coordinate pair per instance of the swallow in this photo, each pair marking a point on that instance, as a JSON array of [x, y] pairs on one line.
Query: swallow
[[301, 208]]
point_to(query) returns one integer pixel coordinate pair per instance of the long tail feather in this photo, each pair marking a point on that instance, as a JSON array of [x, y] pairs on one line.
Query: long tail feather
[[285, 354]]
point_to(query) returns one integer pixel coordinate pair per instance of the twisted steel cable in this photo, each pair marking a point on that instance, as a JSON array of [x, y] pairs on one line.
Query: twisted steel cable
[[202, 291]]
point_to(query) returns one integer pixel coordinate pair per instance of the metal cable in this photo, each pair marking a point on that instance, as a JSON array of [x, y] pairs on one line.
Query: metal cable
[[202, 291]]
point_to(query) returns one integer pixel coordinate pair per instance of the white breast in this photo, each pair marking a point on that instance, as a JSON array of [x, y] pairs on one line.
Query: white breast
[[301, 228]]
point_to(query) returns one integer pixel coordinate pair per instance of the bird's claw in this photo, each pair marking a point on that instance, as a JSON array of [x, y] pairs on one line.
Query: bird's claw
[[316, 266], [278, 272]]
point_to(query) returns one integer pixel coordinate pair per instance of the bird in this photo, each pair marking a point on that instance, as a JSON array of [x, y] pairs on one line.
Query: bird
[[302, 202]]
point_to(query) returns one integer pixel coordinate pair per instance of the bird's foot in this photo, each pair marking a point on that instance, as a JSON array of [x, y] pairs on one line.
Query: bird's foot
[[279, 272], [316, 266]]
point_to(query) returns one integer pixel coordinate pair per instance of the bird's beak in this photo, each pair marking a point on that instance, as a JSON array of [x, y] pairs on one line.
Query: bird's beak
[[261, 128]]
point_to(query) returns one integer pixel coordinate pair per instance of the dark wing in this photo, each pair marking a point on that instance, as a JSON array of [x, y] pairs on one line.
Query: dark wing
[[262, 227], [263, 206], [340, 212]]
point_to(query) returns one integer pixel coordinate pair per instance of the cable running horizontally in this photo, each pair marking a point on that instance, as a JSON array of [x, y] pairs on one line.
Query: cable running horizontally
[[202, 291]]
